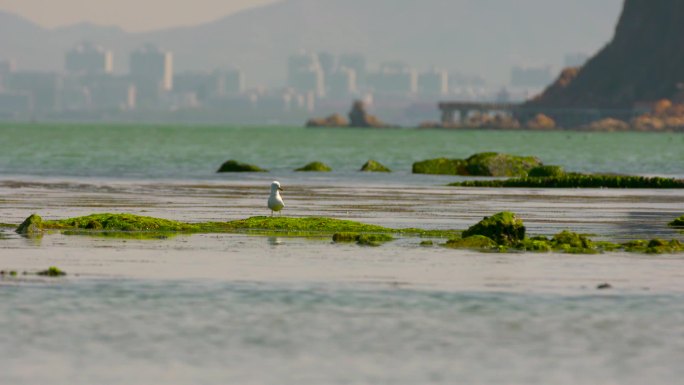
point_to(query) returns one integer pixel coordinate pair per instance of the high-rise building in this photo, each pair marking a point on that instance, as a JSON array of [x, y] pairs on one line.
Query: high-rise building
[[434, 83], [342, 83], [394, 79], [88, 58], [357, 62], [152, 63], [44, 88], [305, 74]]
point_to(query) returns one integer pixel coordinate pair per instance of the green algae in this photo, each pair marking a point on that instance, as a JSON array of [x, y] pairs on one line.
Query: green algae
[[427, 243], [481, 164], [546, 172], [441, 166], [286, 224], [235, 166], [503, 228], [374, 166], [373, 240], [579, 181], [472, 242], [679, 222], [51, 272], [31, 225], [315, 167], [120, 222], [654, 246]]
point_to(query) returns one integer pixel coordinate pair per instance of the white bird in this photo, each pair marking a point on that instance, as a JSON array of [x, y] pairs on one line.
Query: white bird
[[275, 201]]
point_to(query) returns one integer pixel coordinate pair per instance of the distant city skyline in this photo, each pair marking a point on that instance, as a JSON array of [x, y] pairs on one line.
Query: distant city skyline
[[127, 14]]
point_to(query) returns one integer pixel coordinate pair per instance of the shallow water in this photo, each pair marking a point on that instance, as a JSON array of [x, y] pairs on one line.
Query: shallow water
[[235, 308]]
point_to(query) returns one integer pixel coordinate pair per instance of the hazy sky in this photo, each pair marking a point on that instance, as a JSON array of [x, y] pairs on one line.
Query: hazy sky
[[132, 15]]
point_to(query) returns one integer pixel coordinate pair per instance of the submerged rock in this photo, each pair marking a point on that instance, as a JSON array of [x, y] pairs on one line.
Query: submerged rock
[[679, 222], [31, 225], [441, 166], [482, 164], [235, 166], [573, 180], [51, 272], [315, 167], [373, 166], [546, 172], [362, 239], [472, 242], [573, 243], [503, 228]]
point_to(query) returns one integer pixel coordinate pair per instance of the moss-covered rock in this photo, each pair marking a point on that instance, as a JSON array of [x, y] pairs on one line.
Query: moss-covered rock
[[679, 222], [51, 272], [578, 181], [472, 242], [362, 239], [374, 166], [441, 166], [482, 164], [120, 222], [500, 165], [31, 226], [503, 228], [654, 246], [535, 244], [235, 166], [573, 243], [315, 167], [546, 172]]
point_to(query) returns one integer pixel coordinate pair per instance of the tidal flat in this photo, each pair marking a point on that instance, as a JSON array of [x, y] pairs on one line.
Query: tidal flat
[[275, 309]]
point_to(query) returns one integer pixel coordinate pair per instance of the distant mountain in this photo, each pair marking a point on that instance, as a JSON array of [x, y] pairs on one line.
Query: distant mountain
[[643, 63], [485, 37]]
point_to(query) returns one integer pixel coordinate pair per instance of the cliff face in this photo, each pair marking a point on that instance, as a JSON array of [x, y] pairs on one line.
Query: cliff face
[[643, 63]]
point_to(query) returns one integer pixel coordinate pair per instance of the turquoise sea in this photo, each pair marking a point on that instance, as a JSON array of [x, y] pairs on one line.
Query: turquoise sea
[[245, 309], [154, 152]]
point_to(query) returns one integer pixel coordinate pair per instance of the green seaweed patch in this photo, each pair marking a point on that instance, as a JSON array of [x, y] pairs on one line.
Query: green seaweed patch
[[235, 166], [8, 225], [679, 222], [546, 172], [579, 181], [32, 225], [441, 166], [315, 167], [8, 273], [373, 240], [573, 243], [654, 246], [120, 222], [136, 235], [481, 164], [427, 243], [374, 166], [286, 224], [51, 272], [472, 242], [503, 228]]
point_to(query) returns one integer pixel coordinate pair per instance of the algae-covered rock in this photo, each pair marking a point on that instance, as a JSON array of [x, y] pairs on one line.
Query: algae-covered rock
[[51, 272], [235, 166], [535, 244], [427, 243], [315, 167], [654, 246], [441, 166], [546, 172], [31, 225], [482, 164], [362, 239], [472, 242], [374, 166], [503, 228], [679, 222], [120, 222], [573, 243], [579, 181], [500, 165]]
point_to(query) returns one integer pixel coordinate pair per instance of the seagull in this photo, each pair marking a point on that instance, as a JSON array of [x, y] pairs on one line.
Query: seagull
[[275, 202]]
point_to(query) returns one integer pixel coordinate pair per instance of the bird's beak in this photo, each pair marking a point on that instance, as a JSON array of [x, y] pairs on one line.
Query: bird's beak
[[280, 189]]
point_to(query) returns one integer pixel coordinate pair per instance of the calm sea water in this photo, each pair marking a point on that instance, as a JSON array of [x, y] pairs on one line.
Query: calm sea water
[[207, 309], [196, 152]]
